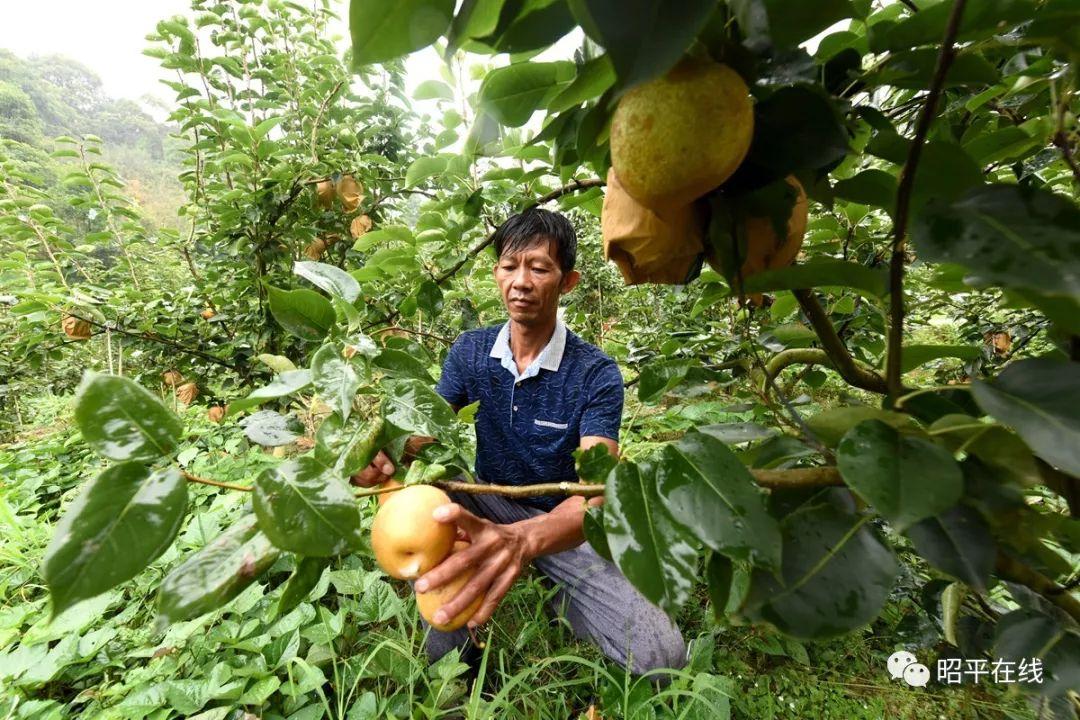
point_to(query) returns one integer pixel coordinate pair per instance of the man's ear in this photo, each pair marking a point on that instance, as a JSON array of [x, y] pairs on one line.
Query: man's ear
[[570, 281]]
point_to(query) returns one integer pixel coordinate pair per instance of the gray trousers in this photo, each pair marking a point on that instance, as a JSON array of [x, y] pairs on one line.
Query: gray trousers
[[598, 601]]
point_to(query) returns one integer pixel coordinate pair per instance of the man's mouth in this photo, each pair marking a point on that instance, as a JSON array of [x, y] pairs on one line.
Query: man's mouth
[[520, 302]]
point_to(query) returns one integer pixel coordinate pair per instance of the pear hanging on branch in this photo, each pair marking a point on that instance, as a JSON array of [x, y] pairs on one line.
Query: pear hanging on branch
[[360, 225], [75, 328], [187, 392], [350, 192], [172, 378], [324, 194]]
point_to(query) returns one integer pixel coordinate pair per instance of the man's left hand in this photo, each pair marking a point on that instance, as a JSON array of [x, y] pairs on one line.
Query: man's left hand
[[497, 554]]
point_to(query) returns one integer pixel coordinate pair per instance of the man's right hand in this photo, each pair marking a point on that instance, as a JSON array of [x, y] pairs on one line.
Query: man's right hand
[[379, 471]]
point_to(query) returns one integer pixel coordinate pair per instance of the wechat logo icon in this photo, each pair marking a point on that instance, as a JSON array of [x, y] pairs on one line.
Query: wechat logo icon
[[904, 665]]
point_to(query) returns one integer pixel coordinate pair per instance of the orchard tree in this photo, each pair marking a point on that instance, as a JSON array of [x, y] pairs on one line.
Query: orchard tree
[[918, 161]]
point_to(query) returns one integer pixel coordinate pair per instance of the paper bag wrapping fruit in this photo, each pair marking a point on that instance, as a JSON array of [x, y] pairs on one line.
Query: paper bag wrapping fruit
[[649, 248]]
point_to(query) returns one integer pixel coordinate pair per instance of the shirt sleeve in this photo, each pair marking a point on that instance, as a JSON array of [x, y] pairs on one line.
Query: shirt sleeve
[[603, 410], [453, 384]]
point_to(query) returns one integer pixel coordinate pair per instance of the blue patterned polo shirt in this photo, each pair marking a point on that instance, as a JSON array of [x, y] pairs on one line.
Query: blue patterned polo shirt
[[528, 425]]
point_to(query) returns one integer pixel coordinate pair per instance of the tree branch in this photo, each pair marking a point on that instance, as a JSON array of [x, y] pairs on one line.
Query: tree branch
[[570, 187], [795, 356], [214, 483], [903, 201], [1009, 568], [837, 353], [153, 337]]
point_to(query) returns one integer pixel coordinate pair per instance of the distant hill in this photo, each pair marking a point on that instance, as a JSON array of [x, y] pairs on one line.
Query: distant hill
[[43, 97]]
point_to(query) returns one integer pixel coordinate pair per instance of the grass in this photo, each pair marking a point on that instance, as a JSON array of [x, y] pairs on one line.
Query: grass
[[353, 649]]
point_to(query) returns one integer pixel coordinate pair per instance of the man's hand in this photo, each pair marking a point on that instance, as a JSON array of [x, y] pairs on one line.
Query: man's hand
[[497, 553], [379, 471]]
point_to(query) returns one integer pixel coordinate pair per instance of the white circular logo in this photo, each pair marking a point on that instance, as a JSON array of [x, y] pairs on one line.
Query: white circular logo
[[898, 661], [916, 675]]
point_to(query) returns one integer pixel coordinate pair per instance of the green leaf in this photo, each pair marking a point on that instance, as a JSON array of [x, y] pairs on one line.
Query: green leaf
[[399, 363], [277, 363], [122, 421], [660, 376], [593, 528], [913, 70], [831, 425], [271, 429], [595, 464], [996, 446], [335, 378], [630, 32], [915, 355], [906, 479], [382, 30], [216, 573], [284, 384], [424, 167], [119, 523], [710, 492], [413, 406], [475, 19], [1027, 633], [539, 25], [1009, 235], [957, 542], [593, 78], [304, 313], [927, 27], [820, 273], [796, 128], [836, 575], [305, 508], [332, 279], [303, 580], [945, 173], [784, 24], [1040, 399], [873, 187], [719, 574], [651, 550], [513, 93], [433, 90]]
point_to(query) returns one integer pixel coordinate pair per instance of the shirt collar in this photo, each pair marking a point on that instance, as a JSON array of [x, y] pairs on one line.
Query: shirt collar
[[550, 358]]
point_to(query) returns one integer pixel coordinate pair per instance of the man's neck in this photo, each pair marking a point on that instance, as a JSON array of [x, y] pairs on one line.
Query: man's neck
[[528, 341]]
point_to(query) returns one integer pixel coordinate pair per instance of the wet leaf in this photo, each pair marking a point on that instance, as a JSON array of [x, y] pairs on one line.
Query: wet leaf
[[593, 528], [1040, 399], [304, 313], [305, 508], [336, 379], [710, 492], [413, 406], [719, 573], [216, 573], [271, 429], [651, 550], [835, 575], [286, 383], [906, 479], [121, 521], [957, 542], [122, 421], [1025, 634], [332, 279], [398, 363], [382, 30], [303, 580]]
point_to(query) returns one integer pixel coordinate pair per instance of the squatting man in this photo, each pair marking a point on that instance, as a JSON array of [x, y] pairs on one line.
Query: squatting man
[[543, 392]]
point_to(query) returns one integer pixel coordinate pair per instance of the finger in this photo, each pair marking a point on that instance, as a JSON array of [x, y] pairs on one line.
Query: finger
[[461, 535], [384, 464], [495, 594], [448, 569], [454, 513], [477, 586], [366, 478]]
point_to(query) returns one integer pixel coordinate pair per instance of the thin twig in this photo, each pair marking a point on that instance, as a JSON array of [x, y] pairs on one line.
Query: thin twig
[[204, 481], [440, 338], [903, 202], [1013, 570], [834, 347], [151, 337]]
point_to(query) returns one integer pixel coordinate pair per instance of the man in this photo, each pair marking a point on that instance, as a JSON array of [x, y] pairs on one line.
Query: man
[[543, 392]]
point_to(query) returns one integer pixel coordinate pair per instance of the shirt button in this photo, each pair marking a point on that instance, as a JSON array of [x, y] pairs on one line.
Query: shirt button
[[515, 408]]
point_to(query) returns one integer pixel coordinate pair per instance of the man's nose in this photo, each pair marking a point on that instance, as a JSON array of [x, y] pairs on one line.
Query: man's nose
[[522, 278]]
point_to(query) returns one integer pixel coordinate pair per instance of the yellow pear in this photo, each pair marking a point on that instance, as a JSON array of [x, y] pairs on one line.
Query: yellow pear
[[429, 602], [407, 541], [675, 138], [765, 250]]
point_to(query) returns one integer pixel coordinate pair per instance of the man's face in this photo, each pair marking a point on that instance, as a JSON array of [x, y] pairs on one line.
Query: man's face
[[531, 282]]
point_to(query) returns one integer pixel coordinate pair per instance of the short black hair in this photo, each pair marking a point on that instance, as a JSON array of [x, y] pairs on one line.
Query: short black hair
[[527, 228]]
